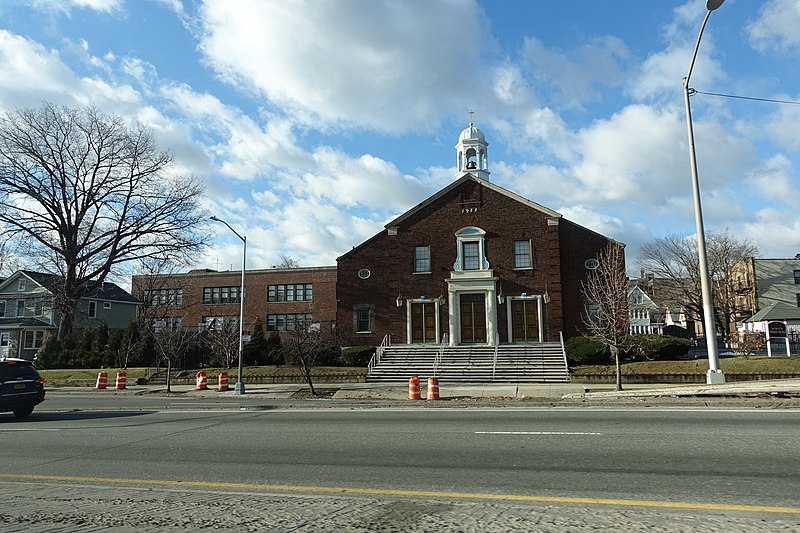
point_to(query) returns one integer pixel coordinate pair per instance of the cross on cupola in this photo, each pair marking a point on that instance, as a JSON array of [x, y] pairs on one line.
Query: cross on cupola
[[472, 152]]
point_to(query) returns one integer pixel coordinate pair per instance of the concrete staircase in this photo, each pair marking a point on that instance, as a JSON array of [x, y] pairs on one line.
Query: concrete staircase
[[516, 363]]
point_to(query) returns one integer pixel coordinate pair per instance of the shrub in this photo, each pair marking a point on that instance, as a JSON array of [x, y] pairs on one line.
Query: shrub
[[585, 351], [654, 347], [357, 355]]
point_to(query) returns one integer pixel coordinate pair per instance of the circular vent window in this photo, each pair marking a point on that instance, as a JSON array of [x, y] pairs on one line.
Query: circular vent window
[[363, 273], [592, 264]]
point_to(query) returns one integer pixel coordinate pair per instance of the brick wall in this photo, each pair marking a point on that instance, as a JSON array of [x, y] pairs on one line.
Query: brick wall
[[322, 306], [559, 250]]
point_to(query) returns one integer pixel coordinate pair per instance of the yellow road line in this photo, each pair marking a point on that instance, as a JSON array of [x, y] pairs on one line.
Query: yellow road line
[[412, 493]]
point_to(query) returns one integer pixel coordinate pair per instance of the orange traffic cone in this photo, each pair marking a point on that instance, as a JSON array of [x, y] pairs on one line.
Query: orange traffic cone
[[223, 382], [433, 389], [202, 380], [122, 380], [102, 380], [413, 388]]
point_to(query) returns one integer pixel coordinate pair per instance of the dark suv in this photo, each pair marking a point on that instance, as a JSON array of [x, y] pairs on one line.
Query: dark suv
[[21, 386]]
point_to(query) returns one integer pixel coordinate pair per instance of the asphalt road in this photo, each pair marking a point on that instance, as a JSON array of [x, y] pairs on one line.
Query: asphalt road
[[267, 468]]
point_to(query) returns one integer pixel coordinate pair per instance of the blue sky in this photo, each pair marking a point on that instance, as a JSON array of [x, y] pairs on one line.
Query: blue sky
[[312, 123]]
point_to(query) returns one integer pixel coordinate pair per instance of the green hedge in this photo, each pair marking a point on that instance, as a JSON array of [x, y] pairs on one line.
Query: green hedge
[[655, 347], [357, 355], [585, 351]]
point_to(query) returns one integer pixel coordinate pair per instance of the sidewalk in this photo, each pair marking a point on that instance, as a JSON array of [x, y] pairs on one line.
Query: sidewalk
[[399, 391]]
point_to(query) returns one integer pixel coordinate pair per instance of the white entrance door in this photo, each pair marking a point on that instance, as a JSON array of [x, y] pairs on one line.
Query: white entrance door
[[4, 338]]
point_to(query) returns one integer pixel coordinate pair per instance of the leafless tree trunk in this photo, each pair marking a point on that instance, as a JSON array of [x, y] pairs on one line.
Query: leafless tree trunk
[[309, 345], [91, 194], [223, 336], [606, 295]]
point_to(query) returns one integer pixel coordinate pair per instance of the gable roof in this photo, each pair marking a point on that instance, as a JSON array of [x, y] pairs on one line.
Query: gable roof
[[25, 322], [108, 291], [471, 177], [776, 311]]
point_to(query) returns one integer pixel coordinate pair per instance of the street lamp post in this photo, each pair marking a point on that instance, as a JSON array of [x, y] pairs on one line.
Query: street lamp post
[[239, 387], [714, 374]]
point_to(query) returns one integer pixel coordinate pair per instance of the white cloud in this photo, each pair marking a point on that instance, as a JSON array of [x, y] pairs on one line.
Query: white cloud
[[64, 6], [576, 74], [776, 26], [381, 64], [774, 179]]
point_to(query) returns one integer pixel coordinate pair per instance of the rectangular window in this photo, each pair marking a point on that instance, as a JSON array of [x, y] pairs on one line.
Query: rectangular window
[[20, 308], [797, 277], [798, 299], [179, 297], [211, 295], [471, 256], [362, 320], [22, 284], [422, 259], [288, 322], [92, 310], [289, 293], [106, 305], [38, 307], [522, 254], [33, 339], [2, 308]]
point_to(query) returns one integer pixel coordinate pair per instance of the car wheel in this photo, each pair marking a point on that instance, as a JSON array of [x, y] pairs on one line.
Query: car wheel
[[22, 412]]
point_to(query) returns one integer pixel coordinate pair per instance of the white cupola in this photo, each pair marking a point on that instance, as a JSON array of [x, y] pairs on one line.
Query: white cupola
[[472, 152]]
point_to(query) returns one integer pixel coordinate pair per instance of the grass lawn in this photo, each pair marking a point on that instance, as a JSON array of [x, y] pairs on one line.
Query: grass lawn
[[729, 365], [64, 376]]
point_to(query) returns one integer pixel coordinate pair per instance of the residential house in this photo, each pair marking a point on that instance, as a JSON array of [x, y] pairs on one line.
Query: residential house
[[28, 314], [759, 283]]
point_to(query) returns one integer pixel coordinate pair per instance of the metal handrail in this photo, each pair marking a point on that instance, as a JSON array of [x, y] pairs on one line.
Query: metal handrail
[[563, 350], [494, 361], [376, 357]]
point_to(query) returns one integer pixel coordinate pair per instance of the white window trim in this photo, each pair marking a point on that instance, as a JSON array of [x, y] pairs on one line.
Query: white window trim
[[470, 234], [89, 309], [530, 255]]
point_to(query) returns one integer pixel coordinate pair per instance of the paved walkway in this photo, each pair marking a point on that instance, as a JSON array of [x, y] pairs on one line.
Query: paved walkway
[[399, 391]]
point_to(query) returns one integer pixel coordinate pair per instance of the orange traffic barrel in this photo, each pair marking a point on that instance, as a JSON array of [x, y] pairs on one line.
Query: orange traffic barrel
[[122, 380], [102, 380], [433, 389], [223, 382], [413, 388], [202, 380]]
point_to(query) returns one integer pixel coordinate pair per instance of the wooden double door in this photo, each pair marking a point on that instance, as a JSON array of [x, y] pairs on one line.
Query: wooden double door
[[473, 318], [525, 321]]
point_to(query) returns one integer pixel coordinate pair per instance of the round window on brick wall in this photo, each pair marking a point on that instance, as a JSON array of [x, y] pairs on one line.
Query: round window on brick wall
[[363, 273], [592, 264]]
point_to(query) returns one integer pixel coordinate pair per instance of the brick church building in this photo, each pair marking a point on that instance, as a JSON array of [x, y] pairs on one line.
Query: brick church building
[[474, 264]]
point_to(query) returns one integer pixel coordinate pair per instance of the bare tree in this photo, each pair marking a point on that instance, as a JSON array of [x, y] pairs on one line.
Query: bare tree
[[287, 262], [310, 345], [90, 194], [606, 294], [674, 261], [223, 336]]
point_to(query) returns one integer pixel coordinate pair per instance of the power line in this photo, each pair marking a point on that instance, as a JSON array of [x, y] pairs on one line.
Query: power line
[[749, 98]]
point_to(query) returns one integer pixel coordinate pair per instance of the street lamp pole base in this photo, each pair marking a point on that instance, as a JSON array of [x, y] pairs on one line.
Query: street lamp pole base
[[239, 388], [714, 377]]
